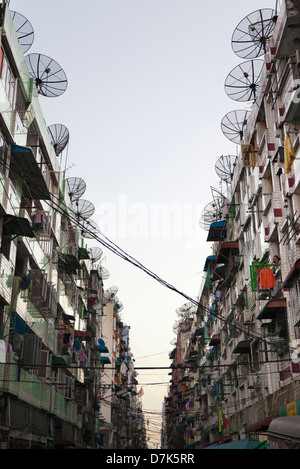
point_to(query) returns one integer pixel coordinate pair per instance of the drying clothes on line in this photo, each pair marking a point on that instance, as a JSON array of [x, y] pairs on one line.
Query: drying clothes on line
[[289, 154], [267, 278], [38, 223]]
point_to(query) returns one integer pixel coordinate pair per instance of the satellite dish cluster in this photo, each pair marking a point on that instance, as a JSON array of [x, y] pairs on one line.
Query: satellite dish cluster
[[82, 210], [249, 42], [51, 82]]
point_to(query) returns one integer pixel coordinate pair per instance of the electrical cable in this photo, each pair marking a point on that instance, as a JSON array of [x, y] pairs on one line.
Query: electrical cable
[[121, 253]]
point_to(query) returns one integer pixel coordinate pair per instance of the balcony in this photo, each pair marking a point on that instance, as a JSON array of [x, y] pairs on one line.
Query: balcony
[[24, 165], [41, 294]]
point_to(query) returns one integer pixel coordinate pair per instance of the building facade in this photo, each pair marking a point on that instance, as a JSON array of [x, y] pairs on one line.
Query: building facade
[[240, 367], [52, 352]]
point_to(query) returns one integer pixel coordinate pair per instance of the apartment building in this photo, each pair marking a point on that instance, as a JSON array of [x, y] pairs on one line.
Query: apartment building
[[245, 333], [52, 295]]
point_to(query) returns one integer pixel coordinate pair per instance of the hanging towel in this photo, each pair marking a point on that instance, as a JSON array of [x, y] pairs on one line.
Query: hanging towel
[[289, 154], [267, 278]]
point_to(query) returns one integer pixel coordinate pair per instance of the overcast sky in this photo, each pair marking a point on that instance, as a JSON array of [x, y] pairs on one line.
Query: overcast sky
[[144, 105]]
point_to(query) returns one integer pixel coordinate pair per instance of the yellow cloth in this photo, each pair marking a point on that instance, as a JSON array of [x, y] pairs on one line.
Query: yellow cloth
[[289, 154]]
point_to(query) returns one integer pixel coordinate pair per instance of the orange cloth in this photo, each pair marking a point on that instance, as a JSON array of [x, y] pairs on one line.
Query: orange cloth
[[267, 278], [289, 154]]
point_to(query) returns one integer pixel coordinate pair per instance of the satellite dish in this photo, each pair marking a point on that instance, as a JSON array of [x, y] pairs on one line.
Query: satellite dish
[[119, 306], [110, 293], [60, 137], [95, 254], [249, 39], [243, 81], [211, 213], [83, 209], [186, 310], [176, 327], [76, 187], [89, 229], [233, 125], [103, 272], [50, 79], [225, 167], [24, 31]]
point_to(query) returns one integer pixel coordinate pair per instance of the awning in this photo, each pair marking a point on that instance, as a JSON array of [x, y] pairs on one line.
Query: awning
[[101, 347], [199, 331], [59, 361], [24, 165], [292, 275], [192, 359], [286, 428], [217, 231], [83, 253], [224, 253], [219, 273], [209, 260], [67, 317], [69, 262], [215, 340], [272, 308], [105, 360], [83, 335], [242, 347], [17, 226], [261, 425]]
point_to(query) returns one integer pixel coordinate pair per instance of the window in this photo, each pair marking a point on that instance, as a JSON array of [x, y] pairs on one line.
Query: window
[[3, 156], [5, 242], [7, 77]]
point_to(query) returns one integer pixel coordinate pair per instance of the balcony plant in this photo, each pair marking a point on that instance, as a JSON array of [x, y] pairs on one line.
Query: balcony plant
[[294, 224]]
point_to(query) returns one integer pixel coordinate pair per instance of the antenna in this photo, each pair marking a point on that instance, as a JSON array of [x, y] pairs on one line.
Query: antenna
[[24, 30], [89, 229], [233, 125], [76, 187], [249, 39], [225, 167], [95, 254], [217, 195], [242, 82], [83, 208], [50, 79], [60, 137]]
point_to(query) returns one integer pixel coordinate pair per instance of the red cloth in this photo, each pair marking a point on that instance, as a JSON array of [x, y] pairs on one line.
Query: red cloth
[[267, 278]]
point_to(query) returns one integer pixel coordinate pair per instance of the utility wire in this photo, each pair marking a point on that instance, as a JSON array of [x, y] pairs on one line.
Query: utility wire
[[121, 253]]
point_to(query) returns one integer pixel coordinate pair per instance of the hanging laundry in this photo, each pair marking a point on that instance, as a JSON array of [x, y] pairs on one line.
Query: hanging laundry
[[289, 154], [280, 157], [267, 278], [38, 223], [66, 338], [25, 282]]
